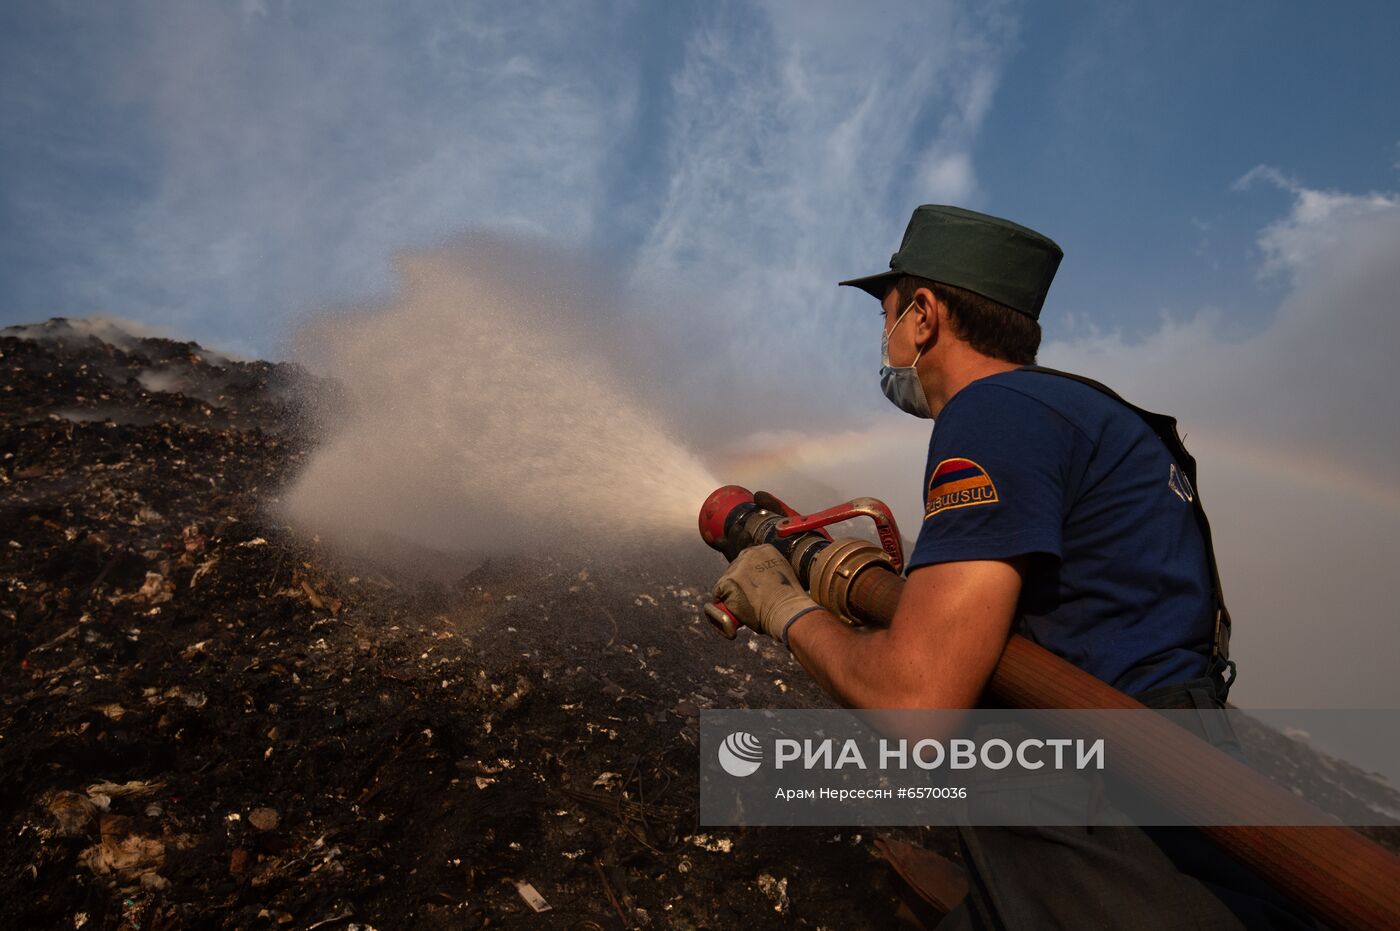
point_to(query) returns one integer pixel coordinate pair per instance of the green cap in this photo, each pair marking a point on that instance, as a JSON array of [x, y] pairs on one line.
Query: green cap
[[995, 258]]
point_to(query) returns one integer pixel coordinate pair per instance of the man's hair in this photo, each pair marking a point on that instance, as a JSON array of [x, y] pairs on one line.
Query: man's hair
[[990, 328]]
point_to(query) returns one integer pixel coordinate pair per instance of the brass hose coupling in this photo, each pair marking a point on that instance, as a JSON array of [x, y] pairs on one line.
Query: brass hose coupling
[[834, 571]]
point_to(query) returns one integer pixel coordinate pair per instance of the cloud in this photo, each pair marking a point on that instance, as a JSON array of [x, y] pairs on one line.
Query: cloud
[[949, 177], [276, 156], [1317, 220], [224, 168], [799, 139]]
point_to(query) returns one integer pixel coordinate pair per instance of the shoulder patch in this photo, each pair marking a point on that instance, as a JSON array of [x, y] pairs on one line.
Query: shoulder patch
[[958, 483]]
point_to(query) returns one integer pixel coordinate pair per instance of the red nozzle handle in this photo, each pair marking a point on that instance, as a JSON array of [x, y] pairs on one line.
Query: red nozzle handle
[[873, 508], [718, 614]]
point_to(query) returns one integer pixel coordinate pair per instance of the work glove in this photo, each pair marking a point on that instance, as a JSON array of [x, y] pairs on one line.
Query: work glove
[[761, 589]]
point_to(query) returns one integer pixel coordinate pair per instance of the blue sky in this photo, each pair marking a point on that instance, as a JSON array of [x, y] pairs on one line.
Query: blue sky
[[1137, 118], [223, 169], [1223, 178]]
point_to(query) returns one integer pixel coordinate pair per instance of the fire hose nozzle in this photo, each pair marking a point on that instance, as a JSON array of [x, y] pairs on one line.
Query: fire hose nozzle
[[732, 519], [873, 508], [717, 510]]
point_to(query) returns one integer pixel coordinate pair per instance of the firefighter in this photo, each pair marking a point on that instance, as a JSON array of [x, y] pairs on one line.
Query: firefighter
[[1054, 509]]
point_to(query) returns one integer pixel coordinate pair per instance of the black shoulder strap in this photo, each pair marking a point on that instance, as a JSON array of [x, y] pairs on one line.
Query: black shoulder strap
[[1184, 484]]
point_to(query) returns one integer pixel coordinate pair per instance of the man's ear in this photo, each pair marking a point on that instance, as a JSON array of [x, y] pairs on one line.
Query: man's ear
[[932, 317]]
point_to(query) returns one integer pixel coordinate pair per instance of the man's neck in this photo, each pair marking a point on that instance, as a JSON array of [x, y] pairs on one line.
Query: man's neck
[[956, 373]]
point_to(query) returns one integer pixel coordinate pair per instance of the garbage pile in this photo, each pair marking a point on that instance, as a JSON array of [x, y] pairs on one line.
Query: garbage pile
[[206, 722]]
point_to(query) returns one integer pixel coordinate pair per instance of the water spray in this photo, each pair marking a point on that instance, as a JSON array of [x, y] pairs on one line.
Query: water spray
[[1342, 877]]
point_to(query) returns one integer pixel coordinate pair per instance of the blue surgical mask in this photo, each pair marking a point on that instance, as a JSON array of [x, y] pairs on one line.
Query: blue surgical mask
[[901, 383]]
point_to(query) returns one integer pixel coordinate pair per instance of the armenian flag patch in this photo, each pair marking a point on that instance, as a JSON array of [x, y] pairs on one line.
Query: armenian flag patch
[[958, 483]]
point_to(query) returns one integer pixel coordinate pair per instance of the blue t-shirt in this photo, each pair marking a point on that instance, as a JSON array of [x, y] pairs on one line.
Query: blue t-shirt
[[1027, 463]]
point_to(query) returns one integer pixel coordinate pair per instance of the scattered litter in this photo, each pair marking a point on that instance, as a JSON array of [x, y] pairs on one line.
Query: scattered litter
[[133, 789], [154, 882], [156, 589], [712, 844], [191, 699], [531, 897], [319, 601], [121, 855], [72, 811], [347, 913], [204, 569], [776, 890], [264, 819], [194, 649]]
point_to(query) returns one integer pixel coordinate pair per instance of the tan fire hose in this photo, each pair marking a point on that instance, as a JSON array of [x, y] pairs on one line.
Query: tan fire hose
[[1345, 879]]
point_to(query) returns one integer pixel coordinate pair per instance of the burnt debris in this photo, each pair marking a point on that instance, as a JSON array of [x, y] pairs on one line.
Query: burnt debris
[[209, 722]]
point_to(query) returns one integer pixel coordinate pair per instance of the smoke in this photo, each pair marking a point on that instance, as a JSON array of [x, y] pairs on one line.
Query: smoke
[[492, 406], [116, 331]]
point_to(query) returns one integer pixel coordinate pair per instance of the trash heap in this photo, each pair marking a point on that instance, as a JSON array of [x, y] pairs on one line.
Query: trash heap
[[207, 722]]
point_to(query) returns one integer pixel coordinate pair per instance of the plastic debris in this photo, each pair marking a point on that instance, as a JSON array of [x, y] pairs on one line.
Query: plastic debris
[[776, 890], [133, 789], [531, 897], [712, 844]]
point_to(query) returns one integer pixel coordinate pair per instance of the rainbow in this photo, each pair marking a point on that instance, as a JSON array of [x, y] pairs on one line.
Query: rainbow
[[1301, 468], [813, 449]]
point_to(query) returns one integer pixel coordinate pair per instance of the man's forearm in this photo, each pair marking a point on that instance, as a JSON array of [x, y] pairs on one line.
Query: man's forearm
[[938, 652], [850, 663]]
